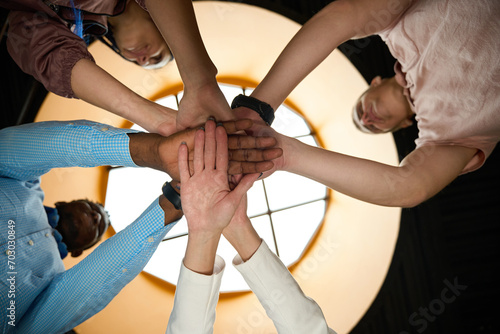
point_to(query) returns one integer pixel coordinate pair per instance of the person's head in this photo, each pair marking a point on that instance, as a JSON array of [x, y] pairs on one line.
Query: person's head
[[81, 224], [138, 39], [382, 107]]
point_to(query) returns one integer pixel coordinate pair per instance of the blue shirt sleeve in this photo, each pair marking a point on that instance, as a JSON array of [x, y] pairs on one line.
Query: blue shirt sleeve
[[31, 150], [80, 292]]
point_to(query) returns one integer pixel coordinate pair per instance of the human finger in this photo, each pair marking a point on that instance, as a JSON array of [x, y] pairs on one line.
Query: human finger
[[234, 180], [243, 186], [239, 167], [222, 154], [199, 147], [210, 145], [243, 141], [238, 125], [182, 158], [253, 155]]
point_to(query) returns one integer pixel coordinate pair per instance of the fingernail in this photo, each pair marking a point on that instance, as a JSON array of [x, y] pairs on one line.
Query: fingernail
[[219, 123], [260, 175], [202, 128], [211, 118]]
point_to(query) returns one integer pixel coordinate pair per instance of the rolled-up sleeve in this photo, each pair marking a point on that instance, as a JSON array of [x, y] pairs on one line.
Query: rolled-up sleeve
[[45, 48]]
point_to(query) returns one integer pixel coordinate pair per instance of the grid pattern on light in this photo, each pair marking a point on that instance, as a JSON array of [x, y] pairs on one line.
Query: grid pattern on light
[[285, 209]]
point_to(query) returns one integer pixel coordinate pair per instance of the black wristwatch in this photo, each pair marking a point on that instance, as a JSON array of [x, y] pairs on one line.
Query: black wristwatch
[[172, 195], [265, 111]]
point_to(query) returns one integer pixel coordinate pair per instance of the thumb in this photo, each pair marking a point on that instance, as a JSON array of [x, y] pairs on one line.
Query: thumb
[[243, 186]]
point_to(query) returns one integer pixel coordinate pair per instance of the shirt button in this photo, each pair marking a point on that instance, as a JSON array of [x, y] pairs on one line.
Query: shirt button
[[151, 239], [31, 243], [124, 270], [104, 128], [7, 252], [47, 234]]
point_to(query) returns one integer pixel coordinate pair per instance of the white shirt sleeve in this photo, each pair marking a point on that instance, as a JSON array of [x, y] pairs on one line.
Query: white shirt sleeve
[[195, 300], [280, 295]]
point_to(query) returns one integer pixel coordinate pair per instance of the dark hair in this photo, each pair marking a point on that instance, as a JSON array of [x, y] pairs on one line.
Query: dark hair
[[69, 215], [109, 40]]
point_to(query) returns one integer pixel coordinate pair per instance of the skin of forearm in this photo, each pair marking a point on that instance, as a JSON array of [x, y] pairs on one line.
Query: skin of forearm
[[322, 33], [143, 149], [177, 23], [116, 98], [86, 73], [336, 23], [362, 179], [243, 238], [201, 250], [171, 213]]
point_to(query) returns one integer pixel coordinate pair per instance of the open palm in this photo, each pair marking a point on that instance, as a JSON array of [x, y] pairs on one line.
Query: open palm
[[207, 200]]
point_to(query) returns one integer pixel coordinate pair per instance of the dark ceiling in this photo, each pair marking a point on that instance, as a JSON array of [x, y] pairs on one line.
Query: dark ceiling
[[444, 274]]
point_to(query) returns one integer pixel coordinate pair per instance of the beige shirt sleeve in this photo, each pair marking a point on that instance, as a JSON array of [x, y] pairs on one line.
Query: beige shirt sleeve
[[284, 301], [195, 300]]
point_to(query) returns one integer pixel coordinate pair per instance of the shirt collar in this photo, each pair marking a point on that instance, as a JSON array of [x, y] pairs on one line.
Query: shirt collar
[[53, 218]]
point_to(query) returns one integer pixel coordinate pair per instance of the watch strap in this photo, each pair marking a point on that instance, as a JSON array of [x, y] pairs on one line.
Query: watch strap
[[172, 195], [265, 111]]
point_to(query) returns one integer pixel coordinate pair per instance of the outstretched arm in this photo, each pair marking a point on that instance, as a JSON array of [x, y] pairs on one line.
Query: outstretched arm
[[65, 67], [280, 295], [209, 205], [208, 202], [88, 287], [421, 175], [119, 99], [339, 21], [31, 150], [202, 97], [246, 154]]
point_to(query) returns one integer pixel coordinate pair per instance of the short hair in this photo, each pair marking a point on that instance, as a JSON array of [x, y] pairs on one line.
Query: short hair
[[357, 121], [109, 40]]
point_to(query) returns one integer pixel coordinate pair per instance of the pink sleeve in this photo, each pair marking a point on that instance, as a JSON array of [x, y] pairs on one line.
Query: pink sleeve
[[483, 145], [46, 49]]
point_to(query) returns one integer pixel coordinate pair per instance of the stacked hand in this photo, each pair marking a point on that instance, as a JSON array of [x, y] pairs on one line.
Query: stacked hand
[[247, 154], [199, 103], [207, 200], [260, 129]]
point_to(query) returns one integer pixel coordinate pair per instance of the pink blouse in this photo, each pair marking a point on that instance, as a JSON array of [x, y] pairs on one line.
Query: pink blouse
[[449, 65]]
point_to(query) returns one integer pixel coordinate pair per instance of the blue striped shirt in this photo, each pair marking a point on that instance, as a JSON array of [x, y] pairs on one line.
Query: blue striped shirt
[[37, 295]]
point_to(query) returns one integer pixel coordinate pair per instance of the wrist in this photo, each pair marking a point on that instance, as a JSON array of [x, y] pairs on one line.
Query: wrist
[[171, 213], [200, 253], [247, 248], [167, 151], [244, 239], [263, 109], [263, 93], [292, 150], [208, 236], [144, 148], [198, 80], [172, 194]]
